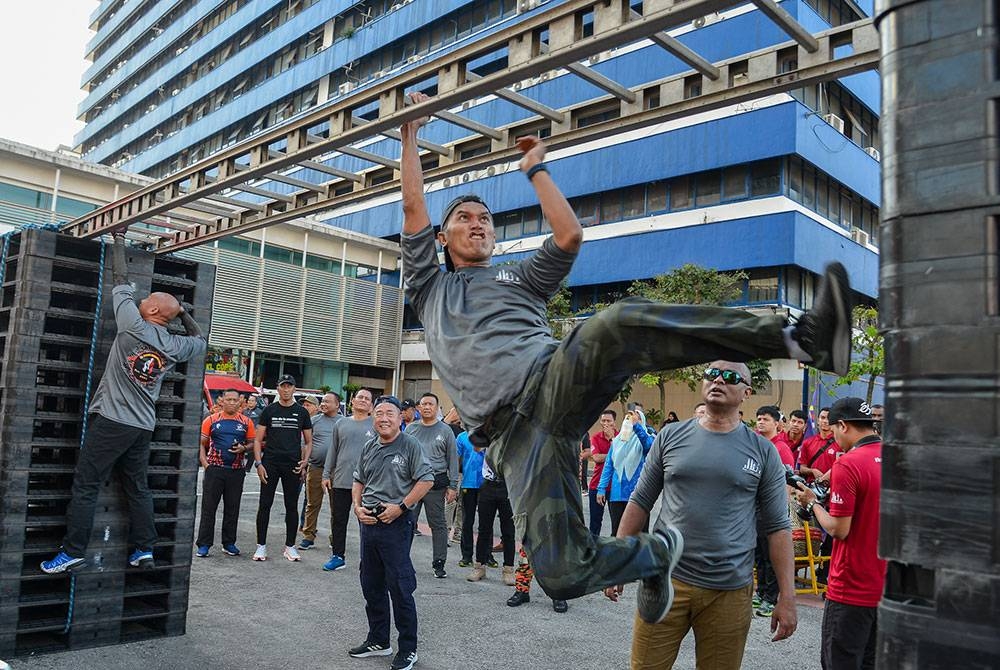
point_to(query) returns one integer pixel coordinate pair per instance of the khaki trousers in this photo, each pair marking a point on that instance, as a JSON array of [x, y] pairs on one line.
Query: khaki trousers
[[720, 619]]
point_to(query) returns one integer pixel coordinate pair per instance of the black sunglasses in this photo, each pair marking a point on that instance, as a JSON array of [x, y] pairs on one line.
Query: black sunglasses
[[730, 377]]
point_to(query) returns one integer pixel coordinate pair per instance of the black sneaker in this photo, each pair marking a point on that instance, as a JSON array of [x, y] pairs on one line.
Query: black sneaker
[[465, 563], [518, 599], [370, 649], [492, 563], [439, 571], [404, 661], [559, 606], [824, 332], [656, 594]]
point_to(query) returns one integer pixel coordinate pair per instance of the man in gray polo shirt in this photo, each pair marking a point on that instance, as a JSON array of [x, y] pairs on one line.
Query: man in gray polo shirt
[[324, 424], [441, 452], [715, 476], [349, 437], [391, 477]]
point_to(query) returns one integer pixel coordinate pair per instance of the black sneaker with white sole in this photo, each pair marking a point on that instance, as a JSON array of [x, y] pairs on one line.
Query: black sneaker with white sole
[[824, 332], [656, 594], [404, 661], [370, 649]]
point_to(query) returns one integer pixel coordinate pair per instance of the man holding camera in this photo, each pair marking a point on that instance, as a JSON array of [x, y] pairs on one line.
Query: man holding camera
[[714, 477], [391, 477], [857, 574]]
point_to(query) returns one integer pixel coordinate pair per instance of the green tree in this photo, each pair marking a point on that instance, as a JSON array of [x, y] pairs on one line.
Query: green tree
[[866, 343], [694, 285]]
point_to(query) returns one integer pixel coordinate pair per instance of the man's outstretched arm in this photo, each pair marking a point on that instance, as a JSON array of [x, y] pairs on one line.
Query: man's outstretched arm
[[566, 230], [415, 217], [119, 269], [190, 325]]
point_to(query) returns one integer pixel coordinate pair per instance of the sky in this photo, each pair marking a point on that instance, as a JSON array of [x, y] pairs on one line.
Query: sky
[[42, 46]]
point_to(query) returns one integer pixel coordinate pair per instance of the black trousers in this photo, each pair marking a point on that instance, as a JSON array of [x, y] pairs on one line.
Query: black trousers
[[617, 509], [492, 501], [848, 636], [767, 581], [470, 502], [290, 486], [387, 574], [224, 484], [110, 445], [340, 514]]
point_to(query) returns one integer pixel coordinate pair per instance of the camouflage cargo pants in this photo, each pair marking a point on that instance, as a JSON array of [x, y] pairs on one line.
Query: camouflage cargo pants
[[535, 443]]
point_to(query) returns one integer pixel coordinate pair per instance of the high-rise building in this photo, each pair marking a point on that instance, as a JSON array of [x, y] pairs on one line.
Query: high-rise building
[[776, 187]]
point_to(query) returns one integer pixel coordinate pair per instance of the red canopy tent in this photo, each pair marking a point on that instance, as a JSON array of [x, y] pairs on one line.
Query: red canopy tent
[[215, 383]]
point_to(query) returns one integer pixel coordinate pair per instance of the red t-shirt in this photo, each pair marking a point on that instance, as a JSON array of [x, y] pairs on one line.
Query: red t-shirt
[[825, 460], [598, 445], [784, 451], [857, 574]]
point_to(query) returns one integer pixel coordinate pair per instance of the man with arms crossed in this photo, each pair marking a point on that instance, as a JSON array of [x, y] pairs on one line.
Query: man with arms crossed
[[391, 477], [123, 415], [712, 476], [857, 574], [484, 322]]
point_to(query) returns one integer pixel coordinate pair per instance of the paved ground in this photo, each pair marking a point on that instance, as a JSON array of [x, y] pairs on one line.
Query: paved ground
[[279, 614]]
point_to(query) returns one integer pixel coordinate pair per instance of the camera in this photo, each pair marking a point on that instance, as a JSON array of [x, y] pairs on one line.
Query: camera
[[820, 489]]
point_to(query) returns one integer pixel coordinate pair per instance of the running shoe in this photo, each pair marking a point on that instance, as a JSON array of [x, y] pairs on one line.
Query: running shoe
[[230, 550], [61, 563], [261, 553], [141, 558], [335, 563], [306, 544], [202, 551], [656, 594], [292, 554], [403, 661], [367, 649]]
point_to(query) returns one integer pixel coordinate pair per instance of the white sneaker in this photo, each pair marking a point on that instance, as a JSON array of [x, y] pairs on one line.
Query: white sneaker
[[291, 553], [261, 553]]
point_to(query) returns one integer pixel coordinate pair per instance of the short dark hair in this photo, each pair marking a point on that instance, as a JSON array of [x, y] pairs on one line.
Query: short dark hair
[[229, 391], [614, 414], [437, 401], [879, 406], [797, 414], [336, 395], [770, 410], [824, 409]]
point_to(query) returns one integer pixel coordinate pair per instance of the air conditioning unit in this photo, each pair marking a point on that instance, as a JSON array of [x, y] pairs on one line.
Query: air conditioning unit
[[859, 236], [741, 78], [835, 121], [345, 88], [527, 5], [873, 152]]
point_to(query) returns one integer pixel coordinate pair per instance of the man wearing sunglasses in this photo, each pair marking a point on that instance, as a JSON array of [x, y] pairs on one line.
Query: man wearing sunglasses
[[715, 478], [489, 323]]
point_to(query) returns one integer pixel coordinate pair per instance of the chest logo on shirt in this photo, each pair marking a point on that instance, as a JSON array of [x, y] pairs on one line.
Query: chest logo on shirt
[[508, 277], [398, 460], [752, 467], [836, 499], [145, 366], [369, 434]]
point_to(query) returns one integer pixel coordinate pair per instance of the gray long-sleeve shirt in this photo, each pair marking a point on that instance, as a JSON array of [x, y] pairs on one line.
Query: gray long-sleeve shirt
[[440, 448], [715, 487], [322, 427], [141, 355], [483, 322], [349, 436]]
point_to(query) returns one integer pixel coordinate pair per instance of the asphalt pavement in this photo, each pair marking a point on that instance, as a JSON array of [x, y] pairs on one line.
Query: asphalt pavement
[[277, 614]]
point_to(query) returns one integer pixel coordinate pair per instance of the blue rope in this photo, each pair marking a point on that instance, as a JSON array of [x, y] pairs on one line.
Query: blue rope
[[86, 402]]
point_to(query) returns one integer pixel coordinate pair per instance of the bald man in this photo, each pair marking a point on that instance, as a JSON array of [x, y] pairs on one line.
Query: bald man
[[123, 415]]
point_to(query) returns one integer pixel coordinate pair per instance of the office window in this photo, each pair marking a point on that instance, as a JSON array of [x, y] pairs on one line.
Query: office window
[[634, 201], [587, 209], [734, 182], [762, 289], [656, 196], [765, 177], [708, 188], [611, 206], [809, 186], [680, 193]]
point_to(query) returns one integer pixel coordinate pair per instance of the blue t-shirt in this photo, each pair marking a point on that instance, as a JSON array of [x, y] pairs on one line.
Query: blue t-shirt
[[223, 432]]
